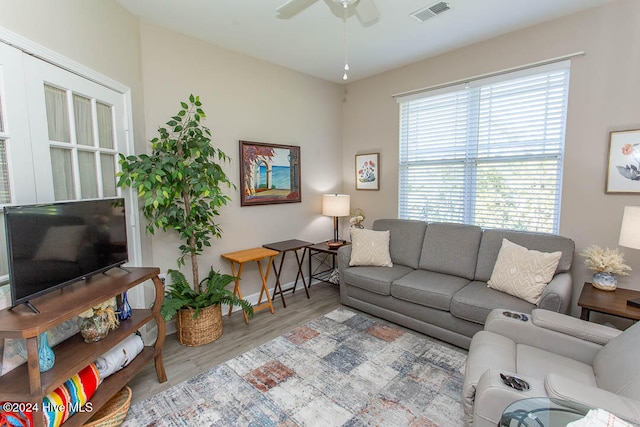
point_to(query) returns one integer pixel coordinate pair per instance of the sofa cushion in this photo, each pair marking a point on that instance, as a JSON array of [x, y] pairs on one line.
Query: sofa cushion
[[492, 242], [475, 301], [374, 279], [451, 249], [406, 238], [369, 247], [523, 273], [428, 288], [537, 363]]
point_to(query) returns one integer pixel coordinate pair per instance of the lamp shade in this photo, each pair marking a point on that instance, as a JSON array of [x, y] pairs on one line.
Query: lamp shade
[[336, 204], [630, 229]]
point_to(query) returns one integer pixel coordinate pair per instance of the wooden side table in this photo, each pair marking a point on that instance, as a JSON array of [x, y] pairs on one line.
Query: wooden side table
[[284, 247], [237, 261], [608, 302]]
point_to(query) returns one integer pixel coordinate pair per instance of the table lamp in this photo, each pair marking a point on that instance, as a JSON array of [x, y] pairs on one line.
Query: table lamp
[[630, 236], [335, 205]]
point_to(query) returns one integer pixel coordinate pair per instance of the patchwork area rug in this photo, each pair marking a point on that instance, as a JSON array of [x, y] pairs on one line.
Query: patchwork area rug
[[342, 369]]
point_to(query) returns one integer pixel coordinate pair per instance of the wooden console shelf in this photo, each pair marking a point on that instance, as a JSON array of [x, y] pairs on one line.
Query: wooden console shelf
[[27, 384]]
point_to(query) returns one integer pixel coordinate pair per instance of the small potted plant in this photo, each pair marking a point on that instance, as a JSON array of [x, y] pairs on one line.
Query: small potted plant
[[607, 265]]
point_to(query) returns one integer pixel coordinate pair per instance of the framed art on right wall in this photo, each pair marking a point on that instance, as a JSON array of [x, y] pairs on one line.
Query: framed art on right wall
[[623, 168], [368, 171]]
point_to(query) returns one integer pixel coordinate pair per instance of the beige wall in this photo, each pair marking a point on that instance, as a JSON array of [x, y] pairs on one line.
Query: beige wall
[[251, 100], [603, 96]]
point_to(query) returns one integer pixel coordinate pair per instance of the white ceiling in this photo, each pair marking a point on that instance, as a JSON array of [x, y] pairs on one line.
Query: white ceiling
[[312, 41]]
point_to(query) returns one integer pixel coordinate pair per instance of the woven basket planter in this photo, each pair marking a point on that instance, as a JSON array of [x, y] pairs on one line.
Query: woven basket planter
[[203, 329], [113, 413]]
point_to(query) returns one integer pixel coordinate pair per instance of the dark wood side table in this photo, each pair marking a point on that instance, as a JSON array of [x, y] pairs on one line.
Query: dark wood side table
[[608, 302], [284, 247], [322, 248]]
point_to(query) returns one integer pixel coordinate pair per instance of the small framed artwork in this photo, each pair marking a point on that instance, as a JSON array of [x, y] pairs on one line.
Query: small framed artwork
[[368, 171], [623, 169], [269, 173]]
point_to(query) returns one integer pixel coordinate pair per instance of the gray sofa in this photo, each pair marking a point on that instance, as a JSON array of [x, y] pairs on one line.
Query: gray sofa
[[438, 282]]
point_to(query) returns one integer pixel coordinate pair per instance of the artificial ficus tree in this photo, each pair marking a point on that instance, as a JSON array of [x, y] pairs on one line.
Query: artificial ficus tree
[[181, 182]]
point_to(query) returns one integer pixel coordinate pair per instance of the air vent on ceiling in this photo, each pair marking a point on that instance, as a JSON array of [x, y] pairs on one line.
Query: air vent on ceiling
[[430, 11]]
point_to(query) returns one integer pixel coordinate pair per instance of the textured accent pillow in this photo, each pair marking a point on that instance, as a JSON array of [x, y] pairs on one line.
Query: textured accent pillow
[[61, 243], [523, 272], [370, 248]]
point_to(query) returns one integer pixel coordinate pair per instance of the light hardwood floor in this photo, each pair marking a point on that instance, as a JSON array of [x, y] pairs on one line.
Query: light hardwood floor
[[182, 363]]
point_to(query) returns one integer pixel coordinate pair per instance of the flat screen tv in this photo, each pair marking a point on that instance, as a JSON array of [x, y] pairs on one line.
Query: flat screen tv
[[54, 245]]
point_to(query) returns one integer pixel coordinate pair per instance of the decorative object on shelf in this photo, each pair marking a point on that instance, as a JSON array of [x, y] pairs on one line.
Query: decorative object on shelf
[[124, 311], [335, 205], [97, 321], [357, 218], [182, 183], [368, 171], [607, 264], [199, 313], [630, 236], [46, 356], [269, 173], [623, 171]]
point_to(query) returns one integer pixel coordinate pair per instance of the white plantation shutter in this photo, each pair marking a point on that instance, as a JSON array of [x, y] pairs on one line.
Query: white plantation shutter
[[487, 153]]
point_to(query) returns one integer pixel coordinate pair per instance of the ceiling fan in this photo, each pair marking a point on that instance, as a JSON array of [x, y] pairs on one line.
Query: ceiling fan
[[365, 10]]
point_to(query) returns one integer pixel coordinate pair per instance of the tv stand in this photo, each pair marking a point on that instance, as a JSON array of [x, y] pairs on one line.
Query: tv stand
[[28, 304], [27, 384], [32, 307]]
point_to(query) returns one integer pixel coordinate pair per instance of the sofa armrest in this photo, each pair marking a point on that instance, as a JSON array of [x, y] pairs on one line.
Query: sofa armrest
[[580, 395], [555, 341], [557, 294], [344, 256], [578, 328]]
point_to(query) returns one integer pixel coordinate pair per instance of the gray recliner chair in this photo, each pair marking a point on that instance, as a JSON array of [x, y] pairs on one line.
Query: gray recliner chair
[[559, 356]]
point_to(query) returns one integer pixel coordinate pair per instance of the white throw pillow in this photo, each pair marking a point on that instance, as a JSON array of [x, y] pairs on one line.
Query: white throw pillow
[[61, 243], [523, 272], [370, 248]]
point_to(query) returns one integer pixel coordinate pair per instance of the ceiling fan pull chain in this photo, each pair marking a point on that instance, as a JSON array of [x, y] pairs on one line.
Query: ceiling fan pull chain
[[345, 5]]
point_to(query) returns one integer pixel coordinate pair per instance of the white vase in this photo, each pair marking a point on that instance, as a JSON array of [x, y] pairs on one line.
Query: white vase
[[604, 281]]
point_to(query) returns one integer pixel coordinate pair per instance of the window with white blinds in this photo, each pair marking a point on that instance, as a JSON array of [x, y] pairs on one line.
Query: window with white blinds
[[488, 153]]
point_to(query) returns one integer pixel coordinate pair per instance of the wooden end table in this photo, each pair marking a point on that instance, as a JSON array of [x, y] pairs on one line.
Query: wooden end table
[[608, 302], [237, 261], [284, 247]]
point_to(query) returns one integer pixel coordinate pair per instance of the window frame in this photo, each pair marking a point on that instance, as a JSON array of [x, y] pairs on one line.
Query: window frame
[[470, 160], [22, 45]]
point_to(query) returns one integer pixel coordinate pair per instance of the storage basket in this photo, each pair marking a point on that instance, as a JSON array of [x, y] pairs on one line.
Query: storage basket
[[113, 413], [203, 329]]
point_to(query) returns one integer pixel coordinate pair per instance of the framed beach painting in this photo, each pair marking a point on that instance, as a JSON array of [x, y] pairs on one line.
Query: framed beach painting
[[368, 171], [623, 171], [269, 173]]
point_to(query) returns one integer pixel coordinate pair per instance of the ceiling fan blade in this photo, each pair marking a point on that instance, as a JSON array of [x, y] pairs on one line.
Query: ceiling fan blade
[[293, 7], [367, 13]]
